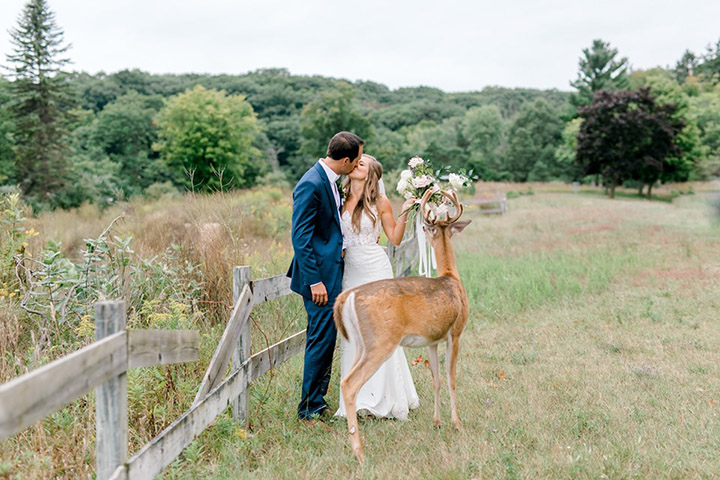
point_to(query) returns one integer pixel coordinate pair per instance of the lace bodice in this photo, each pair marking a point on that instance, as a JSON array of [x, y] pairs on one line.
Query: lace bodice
[[368, 234]]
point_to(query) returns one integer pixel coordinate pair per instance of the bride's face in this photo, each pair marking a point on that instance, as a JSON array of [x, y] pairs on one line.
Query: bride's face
[[361, 170]]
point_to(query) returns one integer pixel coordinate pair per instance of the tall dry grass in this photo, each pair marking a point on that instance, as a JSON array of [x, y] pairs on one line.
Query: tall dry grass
[[211, 233], [215, 231]]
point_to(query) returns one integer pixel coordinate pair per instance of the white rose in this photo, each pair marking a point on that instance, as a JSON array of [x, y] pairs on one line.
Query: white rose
[[456, 181], [402, 186], [405, 175]]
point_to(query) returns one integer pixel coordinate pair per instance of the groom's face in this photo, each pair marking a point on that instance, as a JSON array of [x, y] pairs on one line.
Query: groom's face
[[348, 164]]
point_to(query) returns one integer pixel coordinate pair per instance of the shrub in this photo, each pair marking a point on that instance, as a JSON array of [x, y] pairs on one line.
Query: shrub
[[159, 190]]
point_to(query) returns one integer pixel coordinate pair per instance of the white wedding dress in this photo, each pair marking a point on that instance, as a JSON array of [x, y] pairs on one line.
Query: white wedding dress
[[390, 392]]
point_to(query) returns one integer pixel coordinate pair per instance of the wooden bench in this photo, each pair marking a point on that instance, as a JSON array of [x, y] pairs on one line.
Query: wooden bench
[[500, 199]]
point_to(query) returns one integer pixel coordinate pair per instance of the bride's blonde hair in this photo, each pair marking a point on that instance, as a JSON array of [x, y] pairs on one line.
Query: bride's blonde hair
[[371, 192]]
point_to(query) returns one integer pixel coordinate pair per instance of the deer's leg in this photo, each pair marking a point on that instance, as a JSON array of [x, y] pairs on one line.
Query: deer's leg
[[360, 373], [433, 358], [451, 356]]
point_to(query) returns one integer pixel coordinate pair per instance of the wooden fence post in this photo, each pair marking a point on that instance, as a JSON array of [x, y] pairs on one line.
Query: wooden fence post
[[111, 398], [241, 405]]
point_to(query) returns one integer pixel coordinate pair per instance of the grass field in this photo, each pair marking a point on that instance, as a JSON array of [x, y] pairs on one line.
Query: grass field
[[591, 352]]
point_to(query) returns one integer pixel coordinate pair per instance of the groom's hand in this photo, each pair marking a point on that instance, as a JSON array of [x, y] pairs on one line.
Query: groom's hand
[[319, 294]]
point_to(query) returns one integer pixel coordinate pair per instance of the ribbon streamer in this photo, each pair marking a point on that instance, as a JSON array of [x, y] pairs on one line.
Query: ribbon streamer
[[426, 257]]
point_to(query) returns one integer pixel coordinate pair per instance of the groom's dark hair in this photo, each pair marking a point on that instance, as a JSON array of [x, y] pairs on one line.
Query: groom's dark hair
[[344, 144]]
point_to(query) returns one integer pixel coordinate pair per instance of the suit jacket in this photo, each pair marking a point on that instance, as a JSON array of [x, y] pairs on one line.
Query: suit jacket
[[316, 236]]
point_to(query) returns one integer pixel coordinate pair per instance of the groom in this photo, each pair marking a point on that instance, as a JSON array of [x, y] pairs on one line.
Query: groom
[[317, 267]]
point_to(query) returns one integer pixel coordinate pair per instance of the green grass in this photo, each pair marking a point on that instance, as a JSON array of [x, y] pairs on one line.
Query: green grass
[[591, 353]]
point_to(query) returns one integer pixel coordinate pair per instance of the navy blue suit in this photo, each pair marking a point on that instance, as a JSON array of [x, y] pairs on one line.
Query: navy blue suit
[[317, 244]]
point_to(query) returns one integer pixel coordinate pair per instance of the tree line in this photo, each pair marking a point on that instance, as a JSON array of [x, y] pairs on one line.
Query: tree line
[[72, 137]]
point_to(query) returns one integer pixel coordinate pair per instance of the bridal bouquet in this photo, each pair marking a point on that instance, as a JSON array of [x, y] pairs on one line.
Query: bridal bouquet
[[414, 182], [419, 177]]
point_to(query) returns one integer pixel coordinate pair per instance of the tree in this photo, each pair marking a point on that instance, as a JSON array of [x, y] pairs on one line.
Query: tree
[[706, 65], [42, 100], [206, 139], [710, 65], [125, 131], [438, 142], [126, 126], [566, 151], [668, 91], [533, 138], [7, 157], [705, 113], [483, 130], [627, 135], [686, 66], [401, 115], [599, 70], [390, 148], [333, 112]]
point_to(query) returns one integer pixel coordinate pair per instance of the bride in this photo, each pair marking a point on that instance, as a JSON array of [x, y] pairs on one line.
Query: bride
[[390, 392]]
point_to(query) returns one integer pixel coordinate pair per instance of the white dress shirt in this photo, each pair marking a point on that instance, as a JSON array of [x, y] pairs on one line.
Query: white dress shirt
[[332, 178]]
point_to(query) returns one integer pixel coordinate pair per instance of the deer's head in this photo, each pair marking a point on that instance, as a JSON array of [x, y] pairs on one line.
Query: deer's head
[[439, 223]]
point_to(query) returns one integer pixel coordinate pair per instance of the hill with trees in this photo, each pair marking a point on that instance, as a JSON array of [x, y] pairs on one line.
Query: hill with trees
[[73, 137]]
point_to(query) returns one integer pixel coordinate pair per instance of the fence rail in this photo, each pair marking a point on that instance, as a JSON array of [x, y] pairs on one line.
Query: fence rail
[[103, 366], [32, 397]]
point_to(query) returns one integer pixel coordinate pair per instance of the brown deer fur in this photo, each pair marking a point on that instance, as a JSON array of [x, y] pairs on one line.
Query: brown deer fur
[[411, 311]]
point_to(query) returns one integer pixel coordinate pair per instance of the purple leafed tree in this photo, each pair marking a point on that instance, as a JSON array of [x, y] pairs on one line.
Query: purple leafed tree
[[628, 135]]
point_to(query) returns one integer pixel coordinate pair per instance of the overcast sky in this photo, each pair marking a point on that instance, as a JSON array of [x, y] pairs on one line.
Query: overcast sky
[[455, 45]]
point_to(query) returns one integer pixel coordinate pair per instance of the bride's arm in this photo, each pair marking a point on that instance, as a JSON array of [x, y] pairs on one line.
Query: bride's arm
[[394, 230]]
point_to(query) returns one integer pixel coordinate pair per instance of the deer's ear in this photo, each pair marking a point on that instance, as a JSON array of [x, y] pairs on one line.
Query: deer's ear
[[458, 227], [430, 230]]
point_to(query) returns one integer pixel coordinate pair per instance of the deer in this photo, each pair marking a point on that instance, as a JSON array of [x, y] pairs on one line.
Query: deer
[[409, 311]]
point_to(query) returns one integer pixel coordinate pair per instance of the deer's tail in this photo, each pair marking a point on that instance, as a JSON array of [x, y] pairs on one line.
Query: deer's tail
[[344, 310]]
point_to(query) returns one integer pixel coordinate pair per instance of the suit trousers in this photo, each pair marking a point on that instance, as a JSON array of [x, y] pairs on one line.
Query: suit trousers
[[319, 348]]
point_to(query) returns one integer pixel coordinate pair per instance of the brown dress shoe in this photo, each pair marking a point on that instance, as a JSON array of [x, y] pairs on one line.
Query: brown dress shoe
[[313, 423]]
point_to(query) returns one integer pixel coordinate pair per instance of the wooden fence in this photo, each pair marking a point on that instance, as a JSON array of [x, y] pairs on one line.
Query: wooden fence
[[103, 366]]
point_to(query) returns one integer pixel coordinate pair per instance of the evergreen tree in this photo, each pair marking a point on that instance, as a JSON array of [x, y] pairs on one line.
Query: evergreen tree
[[710, 66], [42, 99], [7, 163], [686, 66], [599, 70]]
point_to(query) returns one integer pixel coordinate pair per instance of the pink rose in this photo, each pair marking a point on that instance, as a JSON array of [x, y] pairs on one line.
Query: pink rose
[[422, 181], [415, 161]]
